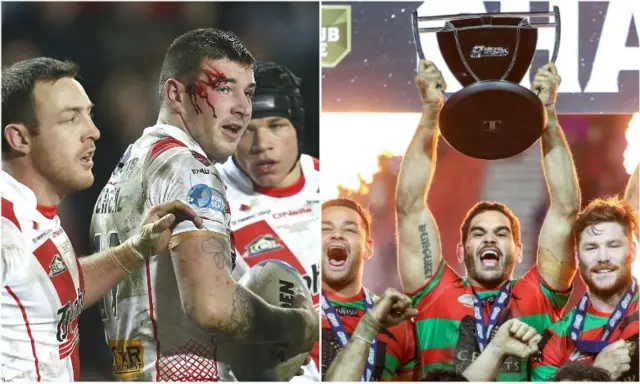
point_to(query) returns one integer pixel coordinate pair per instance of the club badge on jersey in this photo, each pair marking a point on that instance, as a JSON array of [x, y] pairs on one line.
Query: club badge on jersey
[[579, 316], [483, 334], [338, 329]]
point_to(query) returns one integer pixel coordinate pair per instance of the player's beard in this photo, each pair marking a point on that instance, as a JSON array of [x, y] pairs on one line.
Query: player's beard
[[491, 278], [621, 283]]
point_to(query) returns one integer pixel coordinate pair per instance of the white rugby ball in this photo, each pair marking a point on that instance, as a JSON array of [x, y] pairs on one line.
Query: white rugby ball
[[277, 283]]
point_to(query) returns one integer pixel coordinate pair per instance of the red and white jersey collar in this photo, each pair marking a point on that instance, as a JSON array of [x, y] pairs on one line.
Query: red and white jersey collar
[[24, 199]]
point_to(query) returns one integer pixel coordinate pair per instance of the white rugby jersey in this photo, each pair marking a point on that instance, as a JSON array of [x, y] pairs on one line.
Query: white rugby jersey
[[150, 336], [279, 223], [43, 291]]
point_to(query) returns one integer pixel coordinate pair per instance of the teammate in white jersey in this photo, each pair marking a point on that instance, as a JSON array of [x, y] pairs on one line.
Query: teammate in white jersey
[[168, 320], [273, 189], [48, 143]]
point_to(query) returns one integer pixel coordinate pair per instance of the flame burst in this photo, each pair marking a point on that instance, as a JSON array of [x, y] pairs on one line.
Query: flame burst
[[351, 143]]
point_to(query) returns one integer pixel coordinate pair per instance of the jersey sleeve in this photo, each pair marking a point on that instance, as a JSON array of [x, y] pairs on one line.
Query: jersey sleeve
[[424, 295], [180, 174], [555, 301], [14, 253], [552, 353]]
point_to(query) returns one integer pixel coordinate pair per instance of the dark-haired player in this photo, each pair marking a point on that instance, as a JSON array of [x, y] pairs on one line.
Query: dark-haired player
[[273, 188], [458, 315], [163, 321]]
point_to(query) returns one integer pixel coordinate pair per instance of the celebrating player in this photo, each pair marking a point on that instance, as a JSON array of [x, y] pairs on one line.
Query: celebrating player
[[48, 144], [272, 187], [603, 328], [346, 244], [458, 315], [171, 312]]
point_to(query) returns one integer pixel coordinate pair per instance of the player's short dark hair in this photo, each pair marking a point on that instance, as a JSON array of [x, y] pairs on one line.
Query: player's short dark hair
[[575, 371], [443, 375], [484, 206], [365, 215], [185, 54], [18, 83], [610, 209]]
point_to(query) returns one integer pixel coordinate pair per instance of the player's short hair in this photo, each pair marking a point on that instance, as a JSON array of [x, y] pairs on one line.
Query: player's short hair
[[443, 375], [18, 82], [365, 215], [610, 209], [575, 371], [485, 206], [184, 56]]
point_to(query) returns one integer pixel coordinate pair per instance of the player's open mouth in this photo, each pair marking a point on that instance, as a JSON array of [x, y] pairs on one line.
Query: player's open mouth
[[489, 257], [265, 167], [87, 159], [232, 129], [603, 270], [337, 255]]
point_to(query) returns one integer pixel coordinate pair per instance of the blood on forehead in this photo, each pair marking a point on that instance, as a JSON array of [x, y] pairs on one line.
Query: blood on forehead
[[215, 79]]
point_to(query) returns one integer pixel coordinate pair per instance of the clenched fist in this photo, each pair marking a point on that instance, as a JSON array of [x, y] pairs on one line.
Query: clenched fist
[[392, 308], [430, 83], [545, 84], [515, 338], [615, 359]]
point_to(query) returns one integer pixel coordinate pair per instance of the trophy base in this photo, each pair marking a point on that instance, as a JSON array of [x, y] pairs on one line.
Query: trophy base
[[492, 120]]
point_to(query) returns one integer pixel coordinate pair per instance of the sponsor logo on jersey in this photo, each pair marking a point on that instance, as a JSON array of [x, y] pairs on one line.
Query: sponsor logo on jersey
[[56, 266], [312, 279], [297, 212], [204, 196], [42, 235], [467, 299], [68, 324], [201, 158], [244, 207], [344, 311], [203, 171], [127, 357], [262, 244]]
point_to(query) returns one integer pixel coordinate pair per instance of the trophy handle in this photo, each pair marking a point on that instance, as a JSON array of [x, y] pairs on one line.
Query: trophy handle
[[416, 34], [557, 24]]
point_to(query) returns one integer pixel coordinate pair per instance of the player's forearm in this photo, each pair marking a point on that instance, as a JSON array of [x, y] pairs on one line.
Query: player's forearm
[[105, 269], [486, 366], [350, 363], [559, 169], [249, 318], [418, 164], [632, 192]]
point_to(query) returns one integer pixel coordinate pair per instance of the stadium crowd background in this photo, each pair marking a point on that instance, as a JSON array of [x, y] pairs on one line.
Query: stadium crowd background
[[597, 142], [119, 48]]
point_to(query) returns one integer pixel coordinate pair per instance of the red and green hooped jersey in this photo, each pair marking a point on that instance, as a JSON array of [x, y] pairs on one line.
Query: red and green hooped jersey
[[558, 348], [396, 352], [445, 325]]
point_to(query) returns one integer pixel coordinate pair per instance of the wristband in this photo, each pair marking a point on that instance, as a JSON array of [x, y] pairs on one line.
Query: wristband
[[367, 329]]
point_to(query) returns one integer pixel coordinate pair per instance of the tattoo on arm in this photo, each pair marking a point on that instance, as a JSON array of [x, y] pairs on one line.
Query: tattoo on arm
[[219, 249], [427, 257]]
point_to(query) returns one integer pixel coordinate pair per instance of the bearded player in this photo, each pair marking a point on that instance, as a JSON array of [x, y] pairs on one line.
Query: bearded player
[[171, 312], [346, 245], [458, 314], [48, 143], [603, 328], [273, 189]]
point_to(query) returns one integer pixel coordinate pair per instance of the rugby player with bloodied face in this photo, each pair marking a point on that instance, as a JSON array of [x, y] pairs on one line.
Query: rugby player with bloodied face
[[183, 312]]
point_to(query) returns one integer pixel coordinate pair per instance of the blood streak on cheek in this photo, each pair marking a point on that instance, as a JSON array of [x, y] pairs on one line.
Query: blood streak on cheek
[[199, 89]]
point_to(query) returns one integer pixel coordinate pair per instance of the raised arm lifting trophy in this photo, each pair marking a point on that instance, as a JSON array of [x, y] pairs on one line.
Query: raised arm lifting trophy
[[492, 117]]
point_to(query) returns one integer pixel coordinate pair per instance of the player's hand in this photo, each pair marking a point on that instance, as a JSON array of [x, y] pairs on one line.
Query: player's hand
[[392, 308], [431, 84], [515, 338], [615, 359], [157, 228], [312, 324], [545, 84]]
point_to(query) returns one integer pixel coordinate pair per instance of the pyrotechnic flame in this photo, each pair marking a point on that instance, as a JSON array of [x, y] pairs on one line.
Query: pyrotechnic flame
[[350, 144]]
